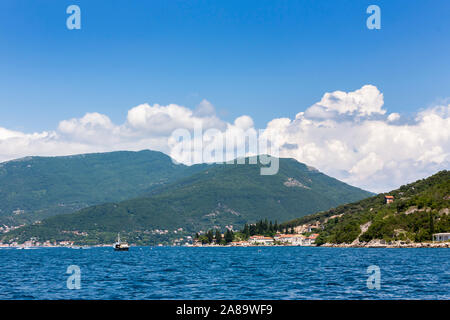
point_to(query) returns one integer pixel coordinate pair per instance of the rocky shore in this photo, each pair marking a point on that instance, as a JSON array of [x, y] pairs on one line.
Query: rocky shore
[[393, 244]]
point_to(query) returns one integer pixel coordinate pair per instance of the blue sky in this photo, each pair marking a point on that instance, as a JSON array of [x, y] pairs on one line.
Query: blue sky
[[373, 105], [266, 59]]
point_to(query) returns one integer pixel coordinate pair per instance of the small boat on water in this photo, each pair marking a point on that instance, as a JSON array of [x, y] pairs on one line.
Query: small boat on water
[[120, 246]]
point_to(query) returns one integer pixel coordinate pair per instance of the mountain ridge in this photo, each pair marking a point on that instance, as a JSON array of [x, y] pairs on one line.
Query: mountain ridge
[[33, 188], [216, 196]]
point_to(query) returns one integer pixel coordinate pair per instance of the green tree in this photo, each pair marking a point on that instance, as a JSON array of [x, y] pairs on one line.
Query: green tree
[[204, 239], [431, 225], [210, 236], [218, 236], [228, 236], [253, 230], [246, 231]]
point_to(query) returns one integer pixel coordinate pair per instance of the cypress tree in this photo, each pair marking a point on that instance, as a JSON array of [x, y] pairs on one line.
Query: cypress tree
[[252, 230], [246, 231], [228, 236], [218, 236], [210, 236], [259, 228]]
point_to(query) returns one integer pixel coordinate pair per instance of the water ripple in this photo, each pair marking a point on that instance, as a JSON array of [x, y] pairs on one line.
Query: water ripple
[[226, 273]]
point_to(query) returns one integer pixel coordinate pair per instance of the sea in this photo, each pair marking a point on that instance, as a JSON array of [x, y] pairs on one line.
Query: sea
[[288, 273]]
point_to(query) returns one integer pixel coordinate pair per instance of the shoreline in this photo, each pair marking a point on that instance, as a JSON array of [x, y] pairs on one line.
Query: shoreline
[[388, 245], [372, 244]]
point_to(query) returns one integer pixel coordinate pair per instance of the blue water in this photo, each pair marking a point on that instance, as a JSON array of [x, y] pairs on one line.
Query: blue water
[[225, 273]]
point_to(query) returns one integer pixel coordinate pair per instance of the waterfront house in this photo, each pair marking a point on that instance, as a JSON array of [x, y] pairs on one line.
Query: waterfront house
[[239, 243], [310, 240], [441, 236], [388, 199], [293, 239], [260, 240]]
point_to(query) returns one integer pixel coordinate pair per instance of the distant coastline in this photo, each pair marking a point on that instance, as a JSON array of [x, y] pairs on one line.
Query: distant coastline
[[377, 244], [347, 245], [392, 245]]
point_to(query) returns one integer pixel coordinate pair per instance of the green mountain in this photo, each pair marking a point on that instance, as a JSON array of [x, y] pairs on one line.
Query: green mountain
[[34, 188], [419, 210], [219, 195]]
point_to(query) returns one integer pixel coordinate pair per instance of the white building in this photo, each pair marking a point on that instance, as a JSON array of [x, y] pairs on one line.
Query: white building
[[260, 240], [441, 236], [239, 243], [293, 239], [310, 240]]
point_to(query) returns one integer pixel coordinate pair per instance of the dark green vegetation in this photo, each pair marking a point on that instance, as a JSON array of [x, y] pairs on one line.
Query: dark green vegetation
[[262, 227], [419, 210], [219, 195], [215, 236], [34, 188]]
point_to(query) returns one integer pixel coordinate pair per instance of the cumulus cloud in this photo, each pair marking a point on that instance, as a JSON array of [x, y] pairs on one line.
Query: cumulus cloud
[[363, 102], [347, 135], [346, 141], [146, 127], [162, 120]]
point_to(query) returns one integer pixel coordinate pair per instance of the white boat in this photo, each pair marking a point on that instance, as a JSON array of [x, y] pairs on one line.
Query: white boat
[[120, 246]]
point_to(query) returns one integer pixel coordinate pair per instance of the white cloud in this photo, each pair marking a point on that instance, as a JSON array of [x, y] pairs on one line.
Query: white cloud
[[393, 117], [347, 135], [363, 102], [368, 166], [346, 141], [244, 122], [163, 120], [9, 134]]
